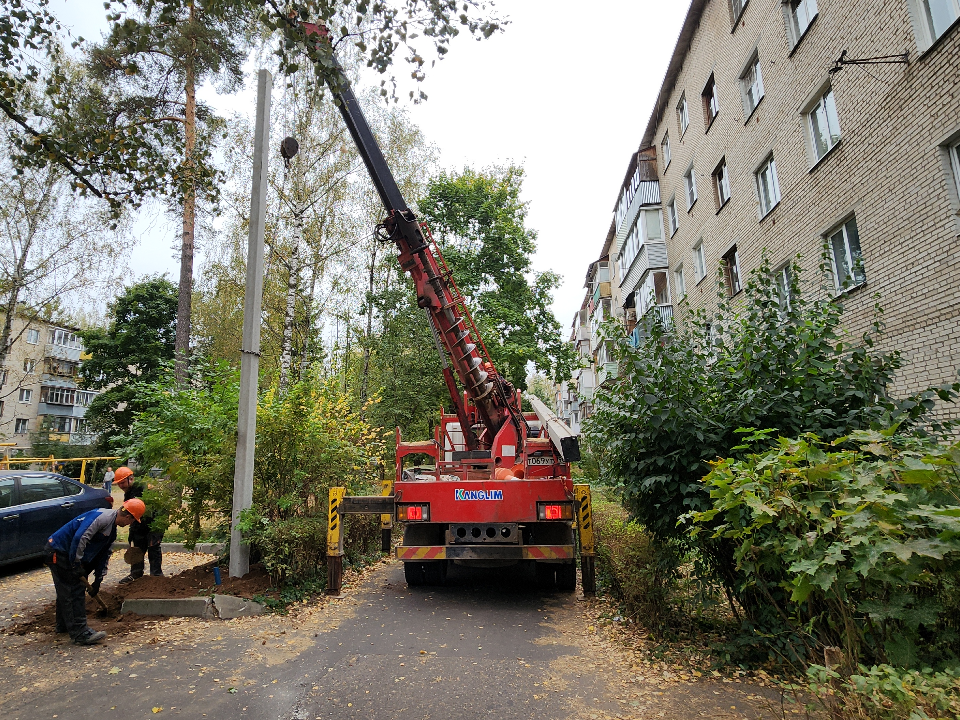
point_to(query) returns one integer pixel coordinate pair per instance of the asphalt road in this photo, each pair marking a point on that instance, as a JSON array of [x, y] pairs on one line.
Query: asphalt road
[[486, 645]]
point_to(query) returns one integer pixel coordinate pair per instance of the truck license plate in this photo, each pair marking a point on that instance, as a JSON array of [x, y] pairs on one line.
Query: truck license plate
[[540, 461]]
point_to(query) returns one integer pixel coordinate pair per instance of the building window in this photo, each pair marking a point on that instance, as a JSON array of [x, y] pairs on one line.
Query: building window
[[679, 281], [672, 216], [58, 395], [84, 398], [783, 277], [768, 187], [690, 187], [60, 424], [683, 114], [699, 262], [800, 13], [21, 426], [937, 16], [1, 407], [721, 184], [652, 226], [736, 9], [29, 365], [710, 105], [33, 336], [847, 259], [823, 124], [665, 150], [954, 163], [3, 377], [751, 85], [26, 395], [731, 271], [65, 338], [646, 228]]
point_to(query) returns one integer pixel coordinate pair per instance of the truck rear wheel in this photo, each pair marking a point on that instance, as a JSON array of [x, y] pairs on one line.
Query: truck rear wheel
[[546, 575], [567, 577], [433, 572]]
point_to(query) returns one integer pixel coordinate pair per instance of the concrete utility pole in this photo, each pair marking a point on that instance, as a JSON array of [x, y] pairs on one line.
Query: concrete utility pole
[[250, 348]]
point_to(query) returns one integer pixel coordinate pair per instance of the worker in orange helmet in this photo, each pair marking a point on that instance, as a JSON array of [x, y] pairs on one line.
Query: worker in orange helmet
[[80, 547], [143, 537]]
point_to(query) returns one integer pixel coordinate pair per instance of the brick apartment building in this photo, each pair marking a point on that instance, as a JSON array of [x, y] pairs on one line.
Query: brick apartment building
[[761, 148], [38, 386], [764, 144]]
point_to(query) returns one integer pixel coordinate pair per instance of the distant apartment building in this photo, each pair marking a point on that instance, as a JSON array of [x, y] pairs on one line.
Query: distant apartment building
[[766, 145], [38, 386]]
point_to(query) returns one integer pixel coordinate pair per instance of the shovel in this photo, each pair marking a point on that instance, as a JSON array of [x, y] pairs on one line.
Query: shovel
[[103, 605]]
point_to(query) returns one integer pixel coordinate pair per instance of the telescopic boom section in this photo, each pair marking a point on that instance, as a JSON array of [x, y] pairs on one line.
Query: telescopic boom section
[[494, 398]]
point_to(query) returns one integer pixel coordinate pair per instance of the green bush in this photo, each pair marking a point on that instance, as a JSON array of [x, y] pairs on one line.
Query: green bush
[[189, 432], [882, 692], [632, 566], [681, 396], [309, 439], [855, 542]]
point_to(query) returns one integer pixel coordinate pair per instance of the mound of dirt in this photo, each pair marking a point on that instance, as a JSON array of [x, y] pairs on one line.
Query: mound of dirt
[[189, 583], [199, 581]]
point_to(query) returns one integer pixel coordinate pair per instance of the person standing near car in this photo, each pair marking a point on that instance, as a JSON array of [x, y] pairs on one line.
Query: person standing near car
[[80, 547], [108, 478], [142, 536]]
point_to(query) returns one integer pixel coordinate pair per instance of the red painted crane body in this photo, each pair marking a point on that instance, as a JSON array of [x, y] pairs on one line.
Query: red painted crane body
[[496, 488]]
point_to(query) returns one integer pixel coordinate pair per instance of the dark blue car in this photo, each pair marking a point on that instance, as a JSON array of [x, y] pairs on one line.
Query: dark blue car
[[33, 505]]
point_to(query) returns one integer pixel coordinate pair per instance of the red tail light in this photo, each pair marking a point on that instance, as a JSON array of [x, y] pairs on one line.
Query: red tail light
[[406, 513], [555, 511]]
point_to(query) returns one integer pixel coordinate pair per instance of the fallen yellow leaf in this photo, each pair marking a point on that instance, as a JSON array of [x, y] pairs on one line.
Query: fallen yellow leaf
[[157, 709]]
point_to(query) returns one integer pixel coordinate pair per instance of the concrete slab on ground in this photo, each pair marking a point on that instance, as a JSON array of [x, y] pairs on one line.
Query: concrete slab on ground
[[229, 607], [201, 607]]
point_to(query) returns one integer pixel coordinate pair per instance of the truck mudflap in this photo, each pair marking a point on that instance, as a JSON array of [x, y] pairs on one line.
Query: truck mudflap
[[486, 552]]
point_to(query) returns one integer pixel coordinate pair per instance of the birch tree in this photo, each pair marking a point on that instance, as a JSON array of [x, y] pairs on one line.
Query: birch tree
[[57, 251]]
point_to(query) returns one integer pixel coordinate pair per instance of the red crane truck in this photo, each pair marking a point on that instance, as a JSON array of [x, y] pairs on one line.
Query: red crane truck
[[497, 489]]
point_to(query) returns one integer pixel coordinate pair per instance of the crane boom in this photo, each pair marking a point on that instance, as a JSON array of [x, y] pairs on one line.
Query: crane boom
[[492, 395]]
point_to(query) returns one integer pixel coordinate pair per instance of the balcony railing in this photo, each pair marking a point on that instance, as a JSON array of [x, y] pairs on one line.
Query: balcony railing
[[61, 352], [663, 313]]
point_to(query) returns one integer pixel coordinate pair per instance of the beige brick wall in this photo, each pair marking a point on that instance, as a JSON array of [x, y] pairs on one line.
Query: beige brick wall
[[889, 168]]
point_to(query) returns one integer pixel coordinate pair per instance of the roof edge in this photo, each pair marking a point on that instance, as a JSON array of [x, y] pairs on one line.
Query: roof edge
[[690, 26]]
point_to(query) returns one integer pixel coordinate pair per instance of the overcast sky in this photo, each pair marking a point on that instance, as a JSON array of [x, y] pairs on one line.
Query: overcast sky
[[566, 90]]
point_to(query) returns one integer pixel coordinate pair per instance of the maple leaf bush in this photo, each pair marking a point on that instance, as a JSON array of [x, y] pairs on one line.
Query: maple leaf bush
[[775, 357], [855, 542]]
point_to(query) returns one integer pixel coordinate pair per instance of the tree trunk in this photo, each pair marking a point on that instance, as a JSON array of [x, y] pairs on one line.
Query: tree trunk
[[367, 345], [293, 283], [17, 278], [16, 283], [185, 299], [308, 323]]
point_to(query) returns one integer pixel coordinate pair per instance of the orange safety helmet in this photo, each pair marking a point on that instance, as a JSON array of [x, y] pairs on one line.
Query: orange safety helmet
[[122, 473], [135, 507]]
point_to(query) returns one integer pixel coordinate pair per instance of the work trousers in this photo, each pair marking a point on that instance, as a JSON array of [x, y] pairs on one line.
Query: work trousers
[[71, 595], [150, 544]]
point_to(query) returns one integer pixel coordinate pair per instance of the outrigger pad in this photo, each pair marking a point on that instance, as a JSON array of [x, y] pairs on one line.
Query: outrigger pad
[[570, 447]]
